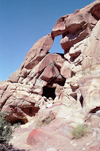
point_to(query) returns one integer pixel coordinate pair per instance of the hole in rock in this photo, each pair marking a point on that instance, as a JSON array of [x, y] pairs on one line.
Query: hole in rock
[[81, 100], [56, 47], [49, 92]]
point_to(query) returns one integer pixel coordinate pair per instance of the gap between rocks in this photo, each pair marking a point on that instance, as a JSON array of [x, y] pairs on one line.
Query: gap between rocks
[[56, 47]]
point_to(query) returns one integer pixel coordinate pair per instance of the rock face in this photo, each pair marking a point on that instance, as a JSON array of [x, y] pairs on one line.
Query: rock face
[[66, 86]]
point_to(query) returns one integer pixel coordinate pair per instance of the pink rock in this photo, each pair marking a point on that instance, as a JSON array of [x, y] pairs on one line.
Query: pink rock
[[76, 27], [15, 115], [89, 87], [91, 53], [48, 69], [50, 135], [69, 40], [66, 86], [3, 87], [35, 133], [10, 89], [50, 73], [14, 77], [15, 96], [95, 146], [38, 51], [51, 59], [95, 10], [59, 27], [65, 70]]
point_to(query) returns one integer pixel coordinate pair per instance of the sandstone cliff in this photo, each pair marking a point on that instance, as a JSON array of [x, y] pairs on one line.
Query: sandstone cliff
[[64, 88]]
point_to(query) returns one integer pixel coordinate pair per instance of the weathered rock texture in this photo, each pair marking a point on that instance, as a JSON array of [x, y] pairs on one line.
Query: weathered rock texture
[[62, 88]]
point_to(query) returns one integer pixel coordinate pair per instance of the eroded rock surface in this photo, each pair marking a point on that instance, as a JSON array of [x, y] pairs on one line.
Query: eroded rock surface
[[58, 91]]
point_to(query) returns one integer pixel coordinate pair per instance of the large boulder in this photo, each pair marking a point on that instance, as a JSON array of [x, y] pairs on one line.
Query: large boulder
[[38, 51]]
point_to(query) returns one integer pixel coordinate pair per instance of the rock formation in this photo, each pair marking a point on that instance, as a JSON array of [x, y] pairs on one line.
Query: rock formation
[[62, 87]]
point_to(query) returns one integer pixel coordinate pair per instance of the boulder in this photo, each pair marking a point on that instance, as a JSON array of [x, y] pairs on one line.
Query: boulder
[[38, 51]]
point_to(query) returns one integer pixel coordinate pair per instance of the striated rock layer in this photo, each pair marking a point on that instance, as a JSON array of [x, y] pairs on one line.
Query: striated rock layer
[[62, 88]]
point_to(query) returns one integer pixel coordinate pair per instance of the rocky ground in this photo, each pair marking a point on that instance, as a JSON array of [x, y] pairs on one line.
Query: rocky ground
[[55, 137], [50, 94]]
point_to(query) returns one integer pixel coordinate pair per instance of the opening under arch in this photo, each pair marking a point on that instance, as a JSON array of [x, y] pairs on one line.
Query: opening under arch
[[56, 47]]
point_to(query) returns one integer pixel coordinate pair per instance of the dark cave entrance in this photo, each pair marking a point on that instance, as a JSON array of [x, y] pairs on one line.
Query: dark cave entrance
[[49, 92]]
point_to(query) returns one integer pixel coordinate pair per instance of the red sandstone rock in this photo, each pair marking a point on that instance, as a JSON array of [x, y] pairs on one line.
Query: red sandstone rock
[[71, 81], [91, 53], [39, 75], [13, 97], [59, 27], [14, 77], [38, 51], [50, 73], [65, 70], [50, 60], [76, 27], [90, 90]]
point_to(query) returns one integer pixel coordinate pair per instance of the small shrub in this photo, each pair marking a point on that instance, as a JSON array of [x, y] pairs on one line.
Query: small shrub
[[38, 123], [51, 64], [5, 133], [80, 131], [16, 125], [47, 120]]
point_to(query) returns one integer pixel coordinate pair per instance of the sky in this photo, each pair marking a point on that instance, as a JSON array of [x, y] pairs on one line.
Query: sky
[[23, 22]]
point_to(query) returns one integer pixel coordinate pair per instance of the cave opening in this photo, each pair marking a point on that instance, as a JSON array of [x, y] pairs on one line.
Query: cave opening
[[49, 92]]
